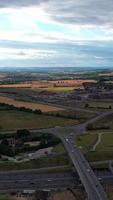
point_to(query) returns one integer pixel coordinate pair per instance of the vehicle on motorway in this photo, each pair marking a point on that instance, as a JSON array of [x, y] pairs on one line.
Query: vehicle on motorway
[[49, 180], [71, 134]]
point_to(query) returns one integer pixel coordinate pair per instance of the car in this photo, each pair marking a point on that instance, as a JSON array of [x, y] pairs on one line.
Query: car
[[72, 151], [67, 139], [71, 134], [49, 180], [99, 178], [88, 170], [32, 183]]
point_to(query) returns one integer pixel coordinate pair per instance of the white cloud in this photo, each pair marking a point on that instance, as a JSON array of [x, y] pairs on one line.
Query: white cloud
[[9, 53]]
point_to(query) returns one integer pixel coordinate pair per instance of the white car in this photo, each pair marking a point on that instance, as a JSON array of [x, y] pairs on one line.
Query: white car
[[71, 134], [49, 179], [88, 170]]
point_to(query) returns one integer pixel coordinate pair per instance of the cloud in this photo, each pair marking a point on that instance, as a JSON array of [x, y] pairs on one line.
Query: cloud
[[13, 53], [77, 12], [82, 12], [83, 54], [56, 33], [19, 3]]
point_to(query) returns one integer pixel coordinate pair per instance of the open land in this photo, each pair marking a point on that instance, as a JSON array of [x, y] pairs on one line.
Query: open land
[[13, 120], [47, 84], [33, 106], [103, 151]]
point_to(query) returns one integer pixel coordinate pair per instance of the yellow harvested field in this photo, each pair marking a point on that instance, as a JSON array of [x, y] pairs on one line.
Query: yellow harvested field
[[47, 84], [33, 106]]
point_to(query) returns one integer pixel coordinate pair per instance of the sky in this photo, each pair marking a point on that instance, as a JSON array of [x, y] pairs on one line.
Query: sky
[[56, 33]]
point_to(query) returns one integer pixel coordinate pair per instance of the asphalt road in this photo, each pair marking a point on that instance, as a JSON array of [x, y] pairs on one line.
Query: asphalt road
[[33, 180], [90, 181], [17, 181]]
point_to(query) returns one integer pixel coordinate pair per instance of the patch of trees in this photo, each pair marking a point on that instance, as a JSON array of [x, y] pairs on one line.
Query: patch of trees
[[91, 126], [12, 107], [22, 136], [66, 116], [97, 107], [5, 148]]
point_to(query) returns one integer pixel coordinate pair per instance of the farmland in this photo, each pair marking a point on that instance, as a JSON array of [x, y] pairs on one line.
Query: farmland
[[13, 120], [100, 105], [33, 106], [47, 84], [108, 121], [56, 89]]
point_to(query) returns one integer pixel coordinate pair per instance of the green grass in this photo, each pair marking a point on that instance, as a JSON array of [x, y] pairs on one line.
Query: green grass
[[97, 105], [101, 104], [60, 89], [59, 149], [108, 121], [5, 197], [106, 143], [55, 89], [35, 164], [86, 141], [12, 120], [104, 150]]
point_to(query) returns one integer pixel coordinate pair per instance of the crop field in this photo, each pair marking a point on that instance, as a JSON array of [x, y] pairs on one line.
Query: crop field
[[47, 84], [76, 114], [13, 120], [33, 106], [56, 89]]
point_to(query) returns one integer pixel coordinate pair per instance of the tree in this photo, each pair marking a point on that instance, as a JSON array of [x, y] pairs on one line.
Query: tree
[[5, 142], [86, 105], [110, 107], [90, 126], [5, 148], [22, 133]]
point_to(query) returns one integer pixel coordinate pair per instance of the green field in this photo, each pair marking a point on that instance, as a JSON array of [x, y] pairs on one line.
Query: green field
[[75, 114], [6, 197], [108, 121], [55, 89], [104, 151], [106, 142], [86, 141], [49, 161], [12, 119], [98, 105], [60, 89], [59, 149]]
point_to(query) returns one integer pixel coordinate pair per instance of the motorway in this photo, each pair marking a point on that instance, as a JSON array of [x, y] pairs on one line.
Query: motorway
[[19, 181], [33, 180], [90, 181]]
